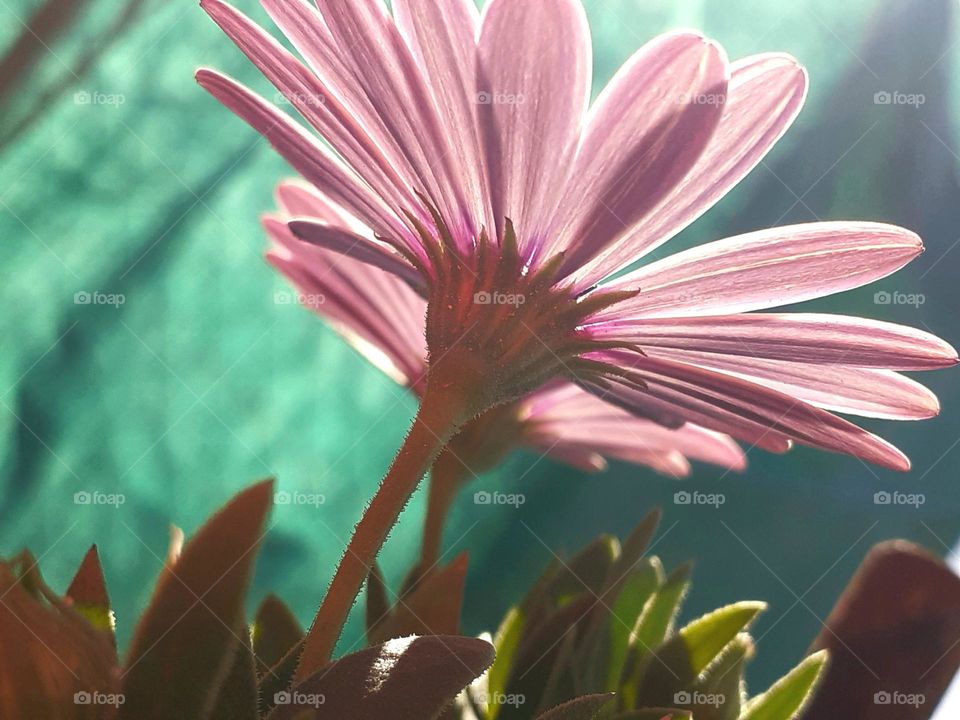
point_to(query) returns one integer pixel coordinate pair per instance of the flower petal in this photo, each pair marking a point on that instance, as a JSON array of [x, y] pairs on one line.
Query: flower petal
[[381, 64], [858, 391], [644, 133], [533, 87], [307, 31], [573, 418], [342, 241], [315, 102], [442, 34], [377, 313], [307, 156], [795, 337], [766, 93], [297, 198], [704, 392], [766, 269]]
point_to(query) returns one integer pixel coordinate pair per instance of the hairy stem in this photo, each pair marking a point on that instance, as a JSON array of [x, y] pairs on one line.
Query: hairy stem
[[440, 415], [446, 479]]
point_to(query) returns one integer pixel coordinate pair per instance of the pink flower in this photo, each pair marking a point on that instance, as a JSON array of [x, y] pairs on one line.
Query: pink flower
[[479, 175], [383, 318], [467, 152]]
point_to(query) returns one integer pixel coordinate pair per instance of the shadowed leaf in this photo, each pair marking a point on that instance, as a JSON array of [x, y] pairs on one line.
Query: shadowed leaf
[[279, 678], [588, 570], [587, 707], [48, 653], [88, 594], [431, 607], [275, 630], [185, 642], [403, 679], [895, 629], [237, 698], [719, 693], [539, 653], [651, 631], [634, 547]]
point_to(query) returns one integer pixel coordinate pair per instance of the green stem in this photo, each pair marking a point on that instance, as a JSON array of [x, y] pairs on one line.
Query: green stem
[[440, 415]]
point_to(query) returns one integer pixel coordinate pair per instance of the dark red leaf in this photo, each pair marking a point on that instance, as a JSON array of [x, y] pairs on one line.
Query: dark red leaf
[[403, 679], [186, 641], [895, 632], [587, 707]]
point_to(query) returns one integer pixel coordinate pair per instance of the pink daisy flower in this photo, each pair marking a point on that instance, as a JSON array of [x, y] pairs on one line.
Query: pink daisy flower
[[481, 176], [383, 318]]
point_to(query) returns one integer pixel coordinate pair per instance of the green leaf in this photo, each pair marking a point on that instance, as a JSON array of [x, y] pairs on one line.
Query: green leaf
[[627, 613], [655, 714], [606, 641], [658, 617], [586, 707], [186, 640], [404, 679], [719, 693], [651, 631], [706, 637], [677, 663], [787, 697], [506, 642]]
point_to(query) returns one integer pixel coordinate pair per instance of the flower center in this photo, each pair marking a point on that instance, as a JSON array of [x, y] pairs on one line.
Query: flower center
[[496, 327]]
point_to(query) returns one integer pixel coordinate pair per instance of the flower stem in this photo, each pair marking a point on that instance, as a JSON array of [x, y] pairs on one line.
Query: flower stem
[[446, 479], [440, 415]]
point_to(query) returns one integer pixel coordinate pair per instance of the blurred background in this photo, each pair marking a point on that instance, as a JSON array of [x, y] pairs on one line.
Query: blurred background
[[150, 353]]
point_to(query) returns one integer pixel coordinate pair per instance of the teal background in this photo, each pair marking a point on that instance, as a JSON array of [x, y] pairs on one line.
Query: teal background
[[201, 383]]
